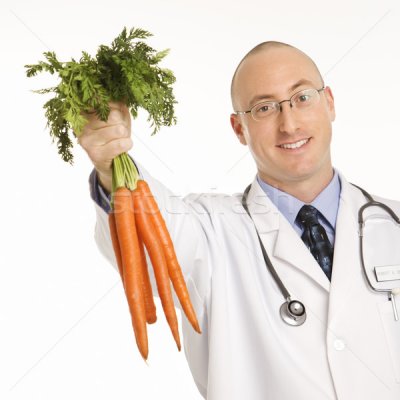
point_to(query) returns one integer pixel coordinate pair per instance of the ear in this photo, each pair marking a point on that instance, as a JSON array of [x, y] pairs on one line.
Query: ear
[[331, 102], [238, 128]]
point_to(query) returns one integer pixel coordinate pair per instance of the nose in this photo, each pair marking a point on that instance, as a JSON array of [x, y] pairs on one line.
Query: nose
[[287, 120]]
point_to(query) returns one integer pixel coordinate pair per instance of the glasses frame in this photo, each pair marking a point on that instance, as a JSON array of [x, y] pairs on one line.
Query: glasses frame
[[275, 102]]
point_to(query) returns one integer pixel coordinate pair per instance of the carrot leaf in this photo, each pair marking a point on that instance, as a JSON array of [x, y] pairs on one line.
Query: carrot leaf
[[127, 71]]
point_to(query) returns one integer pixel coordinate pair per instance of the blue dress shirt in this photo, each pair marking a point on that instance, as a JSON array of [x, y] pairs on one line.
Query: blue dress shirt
[[327, 203]]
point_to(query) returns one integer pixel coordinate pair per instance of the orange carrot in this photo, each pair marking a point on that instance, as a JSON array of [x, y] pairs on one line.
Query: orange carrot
[[115, 243], [174, 269], [130, 252], [149, 305], [154, 247]]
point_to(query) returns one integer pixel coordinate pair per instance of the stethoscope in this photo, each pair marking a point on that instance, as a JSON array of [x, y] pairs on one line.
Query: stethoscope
[[292, 311]]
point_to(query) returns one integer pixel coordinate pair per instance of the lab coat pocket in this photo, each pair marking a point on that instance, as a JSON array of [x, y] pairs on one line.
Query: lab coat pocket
[[392, 333]]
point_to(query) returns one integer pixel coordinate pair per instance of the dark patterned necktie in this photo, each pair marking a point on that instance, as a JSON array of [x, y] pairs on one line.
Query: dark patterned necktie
[[315, 238]]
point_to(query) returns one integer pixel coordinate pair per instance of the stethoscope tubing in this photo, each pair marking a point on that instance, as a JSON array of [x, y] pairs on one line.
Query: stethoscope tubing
[[293, 312], [267, 260]]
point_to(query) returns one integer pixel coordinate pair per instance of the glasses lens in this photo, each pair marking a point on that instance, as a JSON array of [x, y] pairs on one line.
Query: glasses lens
[[264, 110], [305, 98]]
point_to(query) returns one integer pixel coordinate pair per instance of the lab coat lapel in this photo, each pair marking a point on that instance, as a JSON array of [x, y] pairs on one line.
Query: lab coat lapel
[[346, 261], [290, 248], [280, 239]]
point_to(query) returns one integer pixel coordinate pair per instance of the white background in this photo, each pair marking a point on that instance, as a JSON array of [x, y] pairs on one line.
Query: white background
[[64, 325]]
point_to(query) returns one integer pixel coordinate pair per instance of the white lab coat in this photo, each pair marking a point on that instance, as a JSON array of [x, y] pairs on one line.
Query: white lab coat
[[349, 346]]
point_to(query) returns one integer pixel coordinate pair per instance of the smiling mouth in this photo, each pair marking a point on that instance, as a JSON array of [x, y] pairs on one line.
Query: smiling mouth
[[295, 145]]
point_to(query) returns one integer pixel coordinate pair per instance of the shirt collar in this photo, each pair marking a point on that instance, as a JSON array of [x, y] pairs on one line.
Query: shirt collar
[[327, 202]]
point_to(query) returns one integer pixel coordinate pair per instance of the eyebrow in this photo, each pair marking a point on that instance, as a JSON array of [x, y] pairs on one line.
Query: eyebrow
[[299, 83]]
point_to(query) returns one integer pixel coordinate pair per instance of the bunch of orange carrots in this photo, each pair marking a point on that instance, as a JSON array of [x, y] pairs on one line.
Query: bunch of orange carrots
[[128, 72], [136, 223]]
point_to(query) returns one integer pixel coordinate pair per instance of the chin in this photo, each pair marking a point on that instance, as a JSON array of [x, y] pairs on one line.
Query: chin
[[302, 170], [300, 174], [307, 171]]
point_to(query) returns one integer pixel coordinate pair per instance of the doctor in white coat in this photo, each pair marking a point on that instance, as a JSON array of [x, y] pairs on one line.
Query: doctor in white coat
[[349, 345]]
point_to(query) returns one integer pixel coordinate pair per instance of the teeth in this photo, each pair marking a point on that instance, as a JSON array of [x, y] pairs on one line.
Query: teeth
[[294, 145]]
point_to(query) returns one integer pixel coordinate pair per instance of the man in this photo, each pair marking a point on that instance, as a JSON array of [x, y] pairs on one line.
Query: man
[[348, 345]]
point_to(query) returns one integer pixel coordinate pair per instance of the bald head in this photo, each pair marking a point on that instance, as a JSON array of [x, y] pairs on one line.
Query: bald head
[[267, 54]]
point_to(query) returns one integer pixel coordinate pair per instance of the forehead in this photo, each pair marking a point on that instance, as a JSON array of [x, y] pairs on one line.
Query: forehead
[[272, 72]]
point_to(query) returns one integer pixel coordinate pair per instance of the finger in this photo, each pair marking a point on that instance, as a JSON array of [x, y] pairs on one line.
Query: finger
[[117, 147], [115, 117], [102, 136], [117, 105], [103, 154], [93, 122]]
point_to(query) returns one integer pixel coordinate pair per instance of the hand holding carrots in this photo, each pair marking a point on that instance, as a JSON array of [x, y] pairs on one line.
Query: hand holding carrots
[[104, 140]]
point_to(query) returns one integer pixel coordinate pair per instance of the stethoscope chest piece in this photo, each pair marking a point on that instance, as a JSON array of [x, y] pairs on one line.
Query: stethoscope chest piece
[[293, 312]]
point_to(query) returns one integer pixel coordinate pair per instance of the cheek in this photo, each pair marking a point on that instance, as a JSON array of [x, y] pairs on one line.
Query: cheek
[[260, 141], [320, 125], [326, 130], [262, 148]]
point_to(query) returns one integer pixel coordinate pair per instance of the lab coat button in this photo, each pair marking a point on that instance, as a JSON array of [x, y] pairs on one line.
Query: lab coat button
[[339, 344]]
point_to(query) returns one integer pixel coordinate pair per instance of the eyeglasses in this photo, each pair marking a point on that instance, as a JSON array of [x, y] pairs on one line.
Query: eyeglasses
[[301, 100]]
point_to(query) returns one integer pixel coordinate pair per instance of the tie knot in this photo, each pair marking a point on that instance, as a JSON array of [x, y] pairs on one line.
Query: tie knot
[[307, 216]]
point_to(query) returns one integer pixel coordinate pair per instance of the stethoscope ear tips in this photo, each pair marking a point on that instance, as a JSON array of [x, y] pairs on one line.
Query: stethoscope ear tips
[[293, 312]]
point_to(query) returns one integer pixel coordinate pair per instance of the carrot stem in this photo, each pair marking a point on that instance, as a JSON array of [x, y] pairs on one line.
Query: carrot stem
[[124, 174]]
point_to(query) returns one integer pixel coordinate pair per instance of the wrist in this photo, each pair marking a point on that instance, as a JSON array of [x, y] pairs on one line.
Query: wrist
[[105, 181]]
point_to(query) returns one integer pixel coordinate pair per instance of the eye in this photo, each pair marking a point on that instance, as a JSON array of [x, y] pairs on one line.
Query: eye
[[264, 108], [303, 98]]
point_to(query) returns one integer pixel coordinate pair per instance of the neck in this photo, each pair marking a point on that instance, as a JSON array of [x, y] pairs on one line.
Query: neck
[[305, 189]]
